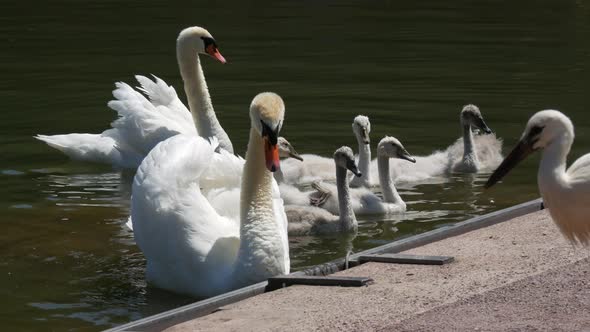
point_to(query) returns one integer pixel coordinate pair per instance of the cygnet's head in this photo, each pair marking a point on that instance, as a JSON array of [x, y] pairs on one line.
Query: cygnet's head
[[390, 147], [343, 157], [267, 112], [542, 129], [470, 115], [287, 150], [361, 128], [197, 39]]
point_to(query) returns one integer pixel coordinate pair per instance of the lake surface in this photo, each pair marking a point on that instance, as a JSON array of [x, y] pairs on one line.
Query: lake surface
[[67, 262]]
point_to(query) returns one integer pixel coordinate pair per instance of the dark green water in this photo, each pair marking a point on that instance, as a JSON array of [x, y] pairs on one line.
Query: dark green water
[[66, 260]]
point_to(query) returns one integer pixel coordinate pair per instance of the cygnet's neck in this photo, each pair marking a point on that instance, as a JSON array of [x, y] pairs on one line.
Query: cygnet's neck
[[469, 154], [261, 253], [364, 165], [390, 194], [279, 176], [347, 218], [197, 93]]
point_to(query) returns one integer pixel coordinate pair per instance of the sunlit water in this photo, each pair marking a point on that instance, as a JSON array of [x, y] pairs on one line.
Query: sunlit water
[[67, 261]]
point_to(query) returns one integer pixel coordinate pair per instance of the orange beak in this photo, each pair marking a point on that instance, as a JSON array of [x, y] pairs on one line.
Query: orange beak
[[214, 52], [271, 154]]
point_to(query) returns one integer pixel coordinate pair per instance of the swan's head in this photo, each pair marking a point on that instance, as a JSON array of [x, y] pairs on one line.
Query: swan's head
[[287, 150], [361, 128], [343, 157], [470, 115], [542, 129], [197, 39], [390, 147], [267, 112]]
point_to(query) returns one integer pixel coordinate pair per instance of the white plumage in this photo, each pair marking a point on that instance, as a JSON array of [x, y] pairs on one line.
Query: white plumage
[[209, 222], [142, 123], [566, 193]]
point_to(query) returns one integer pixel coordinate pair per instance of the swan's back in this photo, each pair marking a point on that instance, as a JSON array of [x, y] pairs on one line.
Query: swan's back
[[487, 147], [310, 220], [189, 247], [312, 168]]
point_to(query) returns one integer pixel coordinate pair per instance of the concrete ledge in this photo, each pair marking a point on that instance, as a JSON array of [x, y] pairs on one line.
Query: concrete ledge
[[205, 307]]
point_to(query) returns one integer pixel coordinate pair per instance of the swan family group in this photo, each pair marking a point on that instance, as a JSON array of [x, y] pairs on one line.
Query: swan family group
[[209, 221]]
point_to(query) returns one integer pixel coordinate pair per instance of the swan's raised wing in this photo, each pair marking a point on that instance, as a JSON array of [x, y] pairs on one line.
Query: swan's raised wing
[[100, 148], [143, 123]]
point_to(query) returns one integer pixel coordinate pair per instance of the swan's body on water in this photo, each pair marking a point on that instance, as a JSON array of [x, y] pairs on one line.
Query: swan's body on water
[[317, 168], [566, 193], [190, 246], [363, 200], [142, 123], [310, 220], [470, 153]]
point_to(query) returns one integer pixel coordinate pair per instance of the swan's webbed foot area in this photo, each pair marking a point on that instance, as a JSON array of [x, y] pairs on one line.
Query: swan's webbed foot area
[[320, 197]]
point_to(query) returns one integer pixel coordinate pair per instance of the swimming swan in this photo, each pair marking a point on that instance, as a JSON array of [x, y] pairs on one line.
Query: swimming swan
[[310, 220], [470, 162], [566, 193], [364, 201], [469, 153], [315, 168], [189, 247], [143, 123]]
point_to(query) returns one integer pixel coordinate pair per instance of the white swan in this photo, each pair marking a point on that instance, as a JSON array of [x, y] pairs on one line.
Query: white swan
[[309, 220], [468, 153], [315, 168], [143, 123], [189, 246], [566, 193], [364, 201]]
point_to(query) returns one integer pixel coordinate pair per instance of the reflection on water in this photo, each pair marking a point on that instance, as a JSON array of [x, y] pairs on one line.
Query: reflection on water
[[67, 260]]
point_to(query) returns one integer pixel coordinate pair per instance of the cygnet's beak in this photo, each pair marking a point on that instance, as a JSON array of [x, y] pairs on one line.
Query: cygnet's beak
[[271, 155], [294, 154], [481, 124], [351, 166], [406, 156], [213, 51], [518, 154]]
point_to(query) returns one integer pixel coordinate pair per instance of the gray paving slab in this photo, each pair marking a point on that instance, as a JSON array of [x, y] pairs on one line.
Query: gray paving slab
[[508, 258]]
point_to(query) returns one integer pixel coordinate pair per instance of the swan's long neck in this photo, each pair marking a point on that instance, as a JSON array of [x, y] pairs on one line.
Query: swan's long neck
[[390, 194], [261, 253], [552, 169], [469, 154], [347, 218], [197, 93], [364, 163]]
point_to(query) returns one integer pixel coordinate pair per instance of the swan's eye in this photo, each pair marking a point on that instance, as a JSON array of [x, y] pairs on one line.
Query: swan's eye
[[209, 41], [535, 132], [271, 134]]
